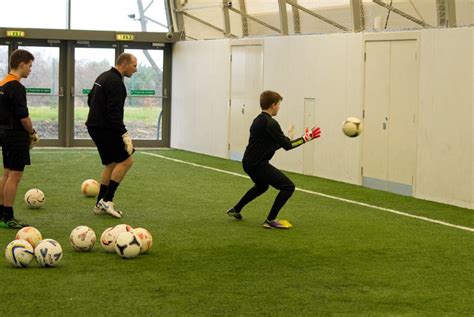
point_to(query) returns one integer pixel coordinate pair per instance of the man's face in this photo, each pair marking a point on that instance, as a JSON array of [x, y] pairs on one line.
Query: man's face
[[25, 69], [131, 68]]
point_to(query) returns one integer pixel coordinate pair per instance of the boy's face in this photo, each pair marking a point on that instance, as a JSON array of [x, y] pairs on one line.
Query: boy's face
[[274, 108], [25, 69]]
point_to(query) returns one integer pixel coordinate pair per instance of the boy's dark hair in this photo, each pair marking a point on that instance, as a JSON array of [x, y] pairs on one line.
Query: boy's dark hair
[[20, 56], [268, 98]]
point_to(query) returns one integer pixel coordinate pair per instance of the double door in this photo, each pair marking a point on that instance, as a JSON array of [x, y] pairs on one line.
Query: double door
[[63, 74]]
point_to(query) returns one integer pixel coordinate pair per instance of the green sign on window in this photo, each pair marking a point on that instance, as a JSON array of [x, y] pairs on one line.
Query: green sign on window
[[86, 91], [142, 92], [38, 90]]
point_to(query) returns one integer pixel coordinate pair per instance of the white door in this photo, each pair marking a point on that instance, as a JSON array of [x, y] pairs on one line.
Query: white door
[[390, 103], [402, 120], [308, 149], [377, 90], [246, 86]]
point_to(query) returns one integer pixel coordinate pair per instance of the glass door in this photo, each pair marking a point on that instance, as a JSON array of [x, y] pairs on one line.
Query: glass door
[[144, 107], [89, 63], [43, 91], [64, 72], [3, 60]]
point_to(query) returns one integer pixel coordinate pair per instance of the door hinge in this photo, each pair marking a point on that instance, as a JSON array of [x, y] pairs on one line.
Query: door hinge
[[363, 114], [361, 170], [365, 56]]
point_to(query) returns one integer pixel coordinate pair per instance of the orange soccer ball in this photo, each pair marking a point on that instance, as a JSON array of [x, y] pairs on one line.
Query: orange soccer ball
[[90, 188]]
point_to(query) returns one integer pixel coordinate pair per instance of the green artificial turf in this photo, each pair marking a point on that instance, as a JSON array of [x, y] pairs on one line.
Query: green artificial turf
[[339, 259]]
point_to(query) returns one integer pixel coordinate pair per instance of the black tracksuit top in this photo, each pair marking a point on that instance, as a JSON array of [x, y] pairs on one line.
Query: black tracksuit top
[[12, 104], [106, 102], [266, 137]]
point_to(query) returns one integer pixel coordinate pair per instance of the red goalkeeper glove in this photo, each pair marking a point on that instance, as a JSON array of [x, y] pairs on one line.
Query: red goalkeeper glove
[[310, 134]]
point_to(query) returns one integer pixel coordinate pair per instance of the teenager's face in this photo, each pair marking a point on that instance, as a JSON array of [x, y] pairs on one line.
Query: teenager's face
[[25, 69], [275, 107]]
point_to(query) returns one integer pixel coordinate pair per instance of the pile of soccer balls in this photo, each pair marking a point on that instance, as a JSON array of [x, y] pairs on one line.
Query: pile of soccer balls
[[30, 244], [122, 239]]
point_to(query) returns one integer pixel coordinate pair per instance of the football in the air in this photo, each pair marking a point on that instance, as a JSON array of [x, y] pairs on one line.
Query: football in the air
[[352, 127]]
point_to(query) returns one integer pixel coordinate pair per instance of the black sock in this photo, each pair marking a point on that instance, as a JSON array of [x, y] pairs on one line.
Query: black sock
[[103, 189], [110, 192], [1, 212], [7, 213]]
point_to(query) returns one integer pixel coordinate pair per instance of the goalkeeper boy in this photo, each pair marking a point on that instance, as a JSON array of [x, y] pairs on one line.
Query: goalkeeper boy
[[266, 137]]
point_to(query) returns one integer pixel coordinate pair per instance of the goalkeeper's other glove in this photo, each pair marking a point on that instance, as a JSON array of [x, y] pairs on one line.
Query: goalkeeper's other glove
[[34, 139], [310, 134], [128, 143]]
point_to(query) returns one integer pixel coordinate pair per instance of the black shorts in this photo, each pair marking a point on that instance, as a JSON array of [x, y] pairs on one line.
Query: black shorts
[[109, 144], [15, 150]]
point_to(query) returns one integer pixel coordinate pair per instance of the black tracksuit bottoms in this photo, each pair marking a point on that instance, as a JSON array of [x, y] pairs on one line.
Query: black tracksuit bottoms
[[263, 176]]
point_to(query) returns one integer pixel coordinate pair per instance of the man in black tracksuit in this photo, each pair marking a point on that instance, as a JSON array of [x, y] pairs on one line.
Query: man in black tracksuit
[[106, 127], [266, 137]]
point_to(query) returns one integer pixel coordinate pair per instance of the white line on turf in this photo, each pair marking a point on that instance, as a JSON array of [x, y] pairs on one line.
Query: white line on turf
[[324, 195]]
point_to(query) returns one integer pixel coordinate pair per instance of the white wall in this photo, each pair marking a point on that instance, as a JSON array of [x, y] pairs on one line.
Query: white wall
[[330, 68], [200, 96], [445, 125]]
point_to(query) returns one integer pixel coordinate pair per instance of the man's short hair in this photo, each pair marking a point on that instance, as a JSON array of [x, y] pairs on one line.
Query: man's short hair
[[124, 58], [268, 98], [20, 56]]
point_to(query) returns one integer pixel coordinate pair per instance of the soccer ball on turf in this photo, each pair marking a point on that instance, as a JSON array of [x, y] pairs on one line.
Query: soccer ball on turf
[[82, 238], [127, 245], [90, 188], [19, 253], [30, 234], [352, 127], [107, 240], [145, 238], [108, 237], [34, 198], [48, 252], [122, 228]]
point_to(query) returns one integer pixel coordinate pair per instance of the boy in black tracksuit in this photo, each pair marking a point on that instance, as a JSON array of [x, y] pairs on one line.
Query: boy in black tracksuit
[[17, 135], [266, 137]]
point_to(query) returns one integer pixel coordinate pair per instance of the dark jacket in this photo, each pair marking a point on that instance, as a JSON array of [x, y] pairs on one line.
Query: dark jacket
[[106, 102], [13, 106], [265, 138]]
